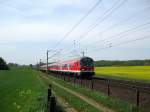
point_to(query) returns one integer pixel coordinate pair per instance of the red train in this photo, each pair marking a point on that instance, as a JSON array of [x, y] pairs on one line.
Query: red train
[[82, 67]]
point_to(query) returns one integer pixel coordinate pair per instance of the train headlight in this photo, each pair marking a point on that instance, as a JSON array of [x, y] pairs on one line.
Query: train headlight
[[82, 69]]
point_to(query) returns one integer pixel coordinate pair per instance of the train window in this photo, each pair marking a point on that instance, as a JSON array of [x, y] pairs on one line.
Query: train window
[[86, 62], [68, 65], [77, 64], [65, 65], [71, 66]]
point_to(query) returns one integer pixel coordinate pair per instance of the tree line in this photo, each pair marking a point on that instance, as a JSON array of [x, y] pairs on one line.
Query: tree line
[[3, 64], [103, 63]]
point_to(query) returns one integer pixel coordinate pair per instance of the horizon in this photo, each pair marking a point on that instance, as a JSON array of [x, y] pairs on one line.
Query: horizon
[[94, 61]]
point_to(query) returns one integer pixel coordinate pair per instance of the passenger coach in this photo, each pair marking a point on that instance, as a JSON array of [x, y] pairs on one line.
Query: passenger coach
[[81, 67]]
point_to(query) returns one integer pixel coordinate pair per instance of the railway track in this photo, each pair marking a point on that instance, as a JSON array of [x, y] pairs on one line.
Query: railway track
[[137, 93], [131, 84]]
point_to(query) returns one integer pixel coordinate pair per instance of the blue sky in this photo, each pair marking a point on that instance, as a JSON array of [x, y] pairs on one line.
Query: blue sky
[[29, 27]]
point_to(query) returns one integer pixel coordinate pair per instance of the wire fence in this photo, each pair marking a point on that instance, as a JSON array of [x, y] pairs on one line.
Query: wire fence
[[132, 92]]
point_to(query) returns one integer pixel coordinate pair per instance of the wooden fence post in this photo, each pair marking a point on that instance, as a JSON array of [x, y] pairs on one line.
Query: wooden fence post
[[137, 97], [108, 87], [52, 104], [61, 76], [64, 77], [92, 84], [81, 80], [49, 93], [74, 78], [68, 77]]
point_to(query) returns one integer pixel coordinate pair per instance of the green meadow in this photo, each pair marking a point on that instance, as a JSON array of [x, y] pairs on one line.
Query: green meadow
[[139, 73], [112, 103], [24, 89], [21, 90]]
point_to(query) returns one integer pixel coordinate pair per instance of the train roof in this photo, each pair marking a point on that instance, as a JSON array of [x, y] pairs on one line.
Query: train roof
[[67, 61], [70, 61]]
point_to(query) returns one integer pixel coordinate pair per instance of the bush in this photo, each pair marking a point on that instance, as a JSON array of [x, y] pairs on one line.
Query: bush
[[3, 65], [103, 63]]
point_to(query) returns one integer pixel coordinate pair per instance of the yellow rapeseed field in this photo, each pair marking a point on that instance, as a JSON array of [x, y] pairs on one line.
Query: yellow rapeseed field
[[141, 73]]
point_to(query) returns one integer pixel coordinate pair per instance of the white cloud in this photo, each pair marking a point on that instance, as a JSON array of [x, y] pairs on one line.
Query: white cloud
[[29, 32], [7, 48], [44, 22]]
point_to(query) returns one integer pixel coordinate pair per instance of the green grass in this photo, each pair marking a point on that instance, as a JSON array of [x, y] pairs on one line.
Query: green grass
[[74, 101], [113, 103], [21, 91], [139, 73]]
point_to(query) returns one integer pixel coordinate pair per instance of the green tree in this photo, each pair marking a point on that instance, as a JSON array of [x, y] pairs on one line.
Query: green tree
[[102, 63], [3, 65], [31, 66]]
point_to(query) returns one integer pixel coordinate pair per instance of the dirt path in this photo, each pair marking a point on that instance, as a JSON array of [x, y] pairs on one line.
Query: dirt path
[[67, 107], [86, 99]]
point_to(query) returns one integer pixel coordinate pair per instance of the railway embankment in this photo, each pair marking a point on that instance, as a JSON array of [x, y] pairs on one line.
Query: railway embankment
[[114, 104]]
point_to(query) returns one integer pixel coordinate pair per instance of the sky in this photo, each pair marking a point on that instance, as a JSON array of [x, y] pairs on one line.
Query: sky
[[114, 30]]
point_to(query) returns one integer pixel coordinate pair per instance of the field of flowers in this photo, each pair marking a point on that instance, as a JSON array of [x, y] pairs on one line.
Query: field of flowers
[[21, 91], [140, 73]]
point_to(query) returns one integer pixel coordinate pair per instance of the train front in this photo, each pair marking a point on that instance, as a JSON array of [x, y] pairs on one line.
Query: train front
[[86, 67]]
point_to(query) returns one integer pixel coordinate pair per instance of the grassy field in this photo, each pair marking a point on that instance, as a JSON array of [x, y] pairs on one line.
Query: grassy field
[[21, 91], [112, 103], [24, 90], [140, 73], [74, 101]]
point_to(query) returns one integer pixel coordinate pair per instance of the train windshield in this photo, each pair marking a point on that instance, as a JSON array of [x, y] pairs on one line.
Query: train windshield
[[87, 62]]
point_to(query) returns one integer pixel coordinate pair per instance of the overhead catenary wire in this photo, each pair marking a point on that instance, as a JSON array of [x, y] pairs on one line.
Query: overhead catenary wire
[[100, 19], [119, 35], [78, 23], [64, 54], [113, 37], [134, 15], [131, 17], [107, 13], [42, 60], [139, 27], [56, 53], [118, 44]]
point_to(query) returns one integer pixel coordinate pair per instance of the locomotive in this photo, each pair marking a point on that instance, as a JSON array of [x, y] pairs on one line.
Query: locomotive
[[82, 67]]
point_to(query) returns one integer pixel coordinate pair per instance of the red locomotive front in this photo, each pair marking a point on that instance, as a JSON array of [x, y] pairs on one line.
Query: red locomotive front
[[86, 67]]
